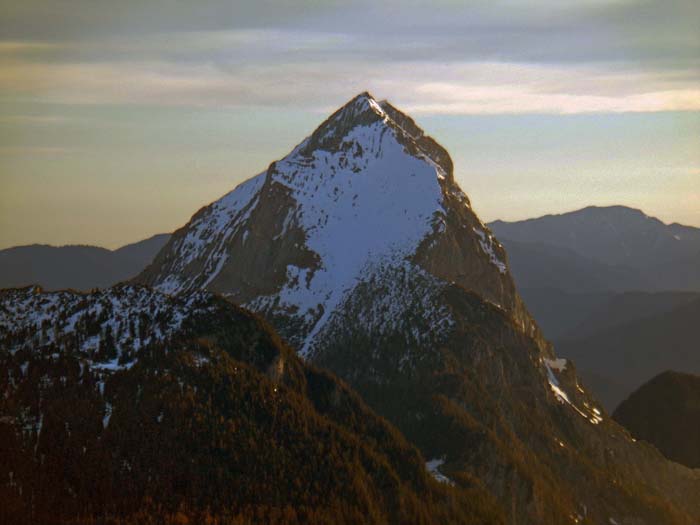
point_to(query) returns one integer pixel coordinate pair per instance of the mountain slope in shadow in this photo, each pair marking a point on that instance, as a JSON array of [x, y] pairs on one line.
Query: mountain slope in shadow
[[665, 411], [631, 353], [75, 267]]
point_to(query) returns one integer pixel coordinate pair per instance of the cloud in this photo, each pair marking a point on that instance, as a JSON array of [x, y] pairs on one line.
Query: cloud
[[28, 151], [446, 57], [420, 87], [69, 20]]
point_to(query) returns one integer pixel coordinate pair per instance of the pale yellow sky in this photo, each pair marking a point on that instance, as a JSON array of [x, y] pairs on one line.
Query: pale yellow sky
[[120, 120], [110, 176]]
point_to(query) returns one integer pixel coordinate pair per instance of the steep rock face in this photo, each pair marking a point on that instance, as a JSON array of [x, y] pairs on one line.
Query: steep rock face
[[368, 186], [131, 405], [363, 252]]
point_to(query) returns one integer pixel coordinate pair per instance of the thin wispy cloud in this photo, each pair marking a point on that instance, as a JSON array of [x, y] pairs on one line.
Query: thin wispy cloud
[[474, 57]]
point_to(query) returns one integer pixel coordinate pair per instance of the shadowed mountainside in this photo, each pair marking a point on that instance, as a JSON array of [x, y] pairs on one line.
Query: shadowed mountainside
[[631, 353], [75, 267], [665, 411], [612, 248]]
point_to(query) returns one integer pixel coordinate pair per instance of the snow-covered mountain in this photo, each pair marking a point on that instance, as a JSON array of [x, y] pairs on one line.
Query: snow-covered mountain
[[363, 252], [366, 191]]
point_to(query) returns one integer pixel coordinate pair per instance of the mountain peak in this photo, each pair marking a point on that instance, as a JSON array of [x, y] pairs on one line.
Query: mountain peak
[[357, 108], [363, 102], [361, 110], [365, 110], [367, 194]]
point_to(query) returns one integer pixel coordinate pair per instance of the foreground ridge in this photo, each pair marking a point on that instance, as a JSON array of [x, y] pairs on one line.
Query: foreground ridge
[[127, 405]]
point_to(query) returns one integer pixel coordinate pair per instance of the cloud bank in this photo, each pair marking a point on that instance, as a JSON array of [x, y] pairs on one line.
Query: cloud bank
[[444, 57]]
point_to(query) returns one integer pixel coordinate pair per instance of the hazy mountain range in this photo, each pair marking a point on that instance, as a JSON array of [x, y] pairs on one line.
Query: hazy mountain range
[[443, 401], [617, 239], [75, 267], [620, 353]]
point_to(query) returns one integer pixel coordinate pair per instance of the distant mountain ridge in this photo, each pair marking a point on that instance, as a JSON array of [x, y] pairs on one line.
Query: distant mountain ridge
[[537, 265], [565, 315], [616, 235], [622, 248], [598, 278], [600, 332], [78, 267]]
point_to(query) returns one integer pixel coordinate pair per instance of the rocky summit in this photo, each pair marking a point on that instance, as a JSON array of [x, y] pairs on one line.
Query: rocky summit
[[362, 251], [368, 190]]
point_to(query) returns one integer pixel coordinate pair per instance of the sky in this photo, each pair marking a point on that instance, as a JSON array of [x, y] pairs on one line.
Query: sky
[[119, 120]]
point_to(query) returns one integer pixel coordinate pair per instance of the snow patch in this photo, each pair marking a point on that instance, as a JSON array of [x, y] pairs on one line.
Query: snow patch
[[392, 300], [107, 416], [594, 416], [58, 318], [486, 241], [432, 466], [558, 364]]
